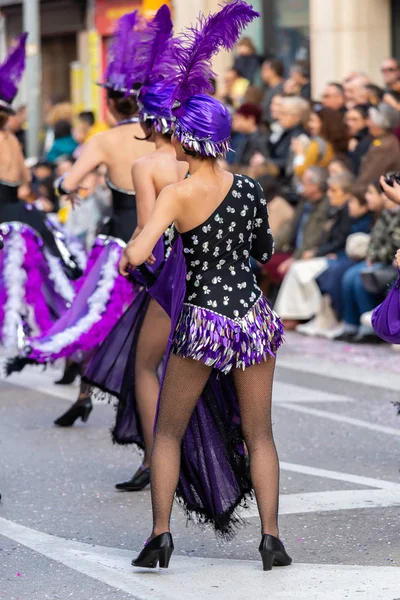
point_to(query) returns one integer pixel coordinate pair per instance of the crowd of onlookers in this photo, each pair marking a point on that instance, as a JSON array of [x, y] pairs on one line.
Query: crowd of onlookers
[[319, 161]]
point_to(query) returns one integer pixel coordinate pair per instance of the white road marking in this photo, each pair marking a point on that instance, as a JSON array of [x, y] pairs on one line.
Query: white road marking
[[339, 476], [209, 579], [287, 392], [343, 372], [338, 500], [341, 418]]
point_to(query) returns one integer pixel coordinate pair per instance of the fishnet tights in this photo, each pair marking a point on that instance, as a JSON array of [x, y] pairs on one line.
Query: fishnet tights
[[184, 382]]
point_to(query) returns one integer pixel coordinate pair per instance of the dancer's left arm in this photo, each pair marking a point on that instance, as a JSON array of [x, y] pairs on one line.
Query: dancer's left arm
[[263, 242], [140, 249]]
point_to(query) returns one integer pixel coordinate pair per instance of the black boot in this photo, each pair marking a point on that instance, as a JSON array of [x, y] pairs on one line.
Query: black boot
[[71, 372], [139, 481], [80, 410], [157, 551], [273, 553]]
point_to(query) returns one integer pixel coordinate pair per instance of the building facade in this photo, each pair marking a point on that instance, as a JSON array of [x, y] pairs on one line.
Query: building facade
[[336, 36]]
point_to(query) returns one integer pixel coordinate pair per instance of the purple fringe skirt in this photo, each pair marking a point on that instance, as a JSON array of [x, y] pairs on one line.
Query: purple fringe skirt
[[224, 343]]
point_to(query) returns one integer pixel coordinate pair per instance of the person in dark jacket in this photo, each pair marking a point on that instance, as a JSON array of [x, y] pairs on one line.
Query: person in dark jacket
[[246, 122], [247, 61], [299, 298], [356, 120], [272, 75]]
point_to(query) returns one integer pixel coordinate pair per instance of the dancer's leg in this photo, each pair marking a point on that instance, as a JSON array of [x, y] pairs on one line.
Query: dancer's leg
[[152, 344], [184, 383], [254, 390]]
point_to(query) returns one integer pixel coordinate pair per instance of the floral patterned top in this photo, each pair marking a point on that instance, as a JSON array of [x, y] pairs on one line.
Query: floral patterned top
[[217, 252]]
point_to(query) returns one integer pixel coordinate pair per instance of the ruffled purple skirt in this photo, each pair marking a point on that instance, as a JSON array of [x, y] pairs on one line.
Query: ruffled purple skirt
[[224, 343], [34, 288]]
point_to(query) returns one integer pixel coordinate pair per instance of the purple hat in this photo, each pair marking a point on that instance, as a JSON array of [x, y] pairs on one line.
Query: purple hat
[[202, 123], [118, 75], [153, 62], [11, 72]]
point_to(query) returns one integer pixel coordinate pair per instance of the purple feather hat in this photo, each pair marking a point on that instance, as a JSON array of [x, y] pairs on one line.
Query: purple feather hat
[[153, 61], [202, 123], [11, 72], [121, 55]]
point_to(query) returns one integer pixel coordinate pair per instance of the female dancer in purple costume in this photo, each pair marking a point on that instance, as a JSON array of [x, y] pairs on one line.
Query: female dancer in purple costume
[[222, 220], [35, 266], [150, 174]]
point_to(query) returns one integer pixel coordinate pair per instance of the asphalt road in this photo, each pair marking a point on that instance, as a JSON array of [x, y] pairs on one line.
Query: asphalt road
[[65, 533]]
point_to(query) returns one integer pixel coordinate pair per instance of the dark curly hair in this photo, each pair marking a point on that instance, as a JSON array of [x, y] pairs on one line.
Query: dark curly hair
[[333, 128]]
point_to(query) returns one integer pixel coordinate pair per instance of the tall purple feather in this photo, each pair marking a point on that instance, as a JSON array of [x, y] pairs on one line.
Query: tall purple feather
[[153, 55], [194, 49], [122, 52], [12, 69]]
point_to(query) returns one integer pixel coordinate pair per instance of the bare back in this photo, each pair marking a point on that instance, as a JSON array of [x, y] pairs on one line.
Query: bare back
[[12, 168], [121, 150], [200, 195]]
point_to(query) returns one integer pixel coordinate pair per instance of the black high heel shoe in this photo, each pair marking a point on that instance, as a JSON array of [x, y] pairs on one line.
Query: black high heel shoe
[[139, 481], [158, 551], [71, 372], [273, 553], [80, 410]]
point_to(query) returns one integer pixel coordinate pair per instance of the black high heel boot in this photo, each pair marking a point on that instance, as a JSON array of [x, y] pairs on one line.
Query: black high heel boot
[[157, 551], [273, 553], [80, 410], [71, 372], [139, 481]]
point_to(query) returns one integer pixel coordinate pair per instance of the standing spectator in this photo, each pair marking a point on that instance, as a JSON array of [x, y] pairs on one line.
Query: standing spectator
[[247, 61], [333, 97], [384, 152], [235, 88], [390, 72], [64, 143], [61, 111], [360, 138], [247, 121], [272, 74], [329, 138], [300, 74]]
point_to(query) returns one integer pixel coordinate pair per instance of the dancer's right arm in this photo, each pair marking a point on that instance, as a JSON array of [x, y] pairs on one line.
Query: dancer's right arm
[[92, 156]]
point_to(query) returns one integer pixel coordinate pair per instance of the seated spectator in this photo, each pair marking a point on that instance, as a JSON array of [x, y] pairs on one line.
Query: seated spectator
[[327, 320], [339, 165], [384, 152], [246, 121], [280, 211], [356, 91], [376, 94], [272, 74], [356, 300], [329, 138], [333, 97], [235, 88], [247, 62], [304, 231], [58, 110], [299, 298], [300, 75], [64, 143], [360, 138], [291, 117], [63, 165], [393, 99], [253, 95]]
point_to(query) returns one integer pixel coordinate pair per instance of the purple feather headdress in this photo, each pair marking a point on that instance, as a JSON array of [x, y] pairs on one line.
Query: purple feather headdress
[[192, 52], [153, 61], [121, 55], [11, 72]]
